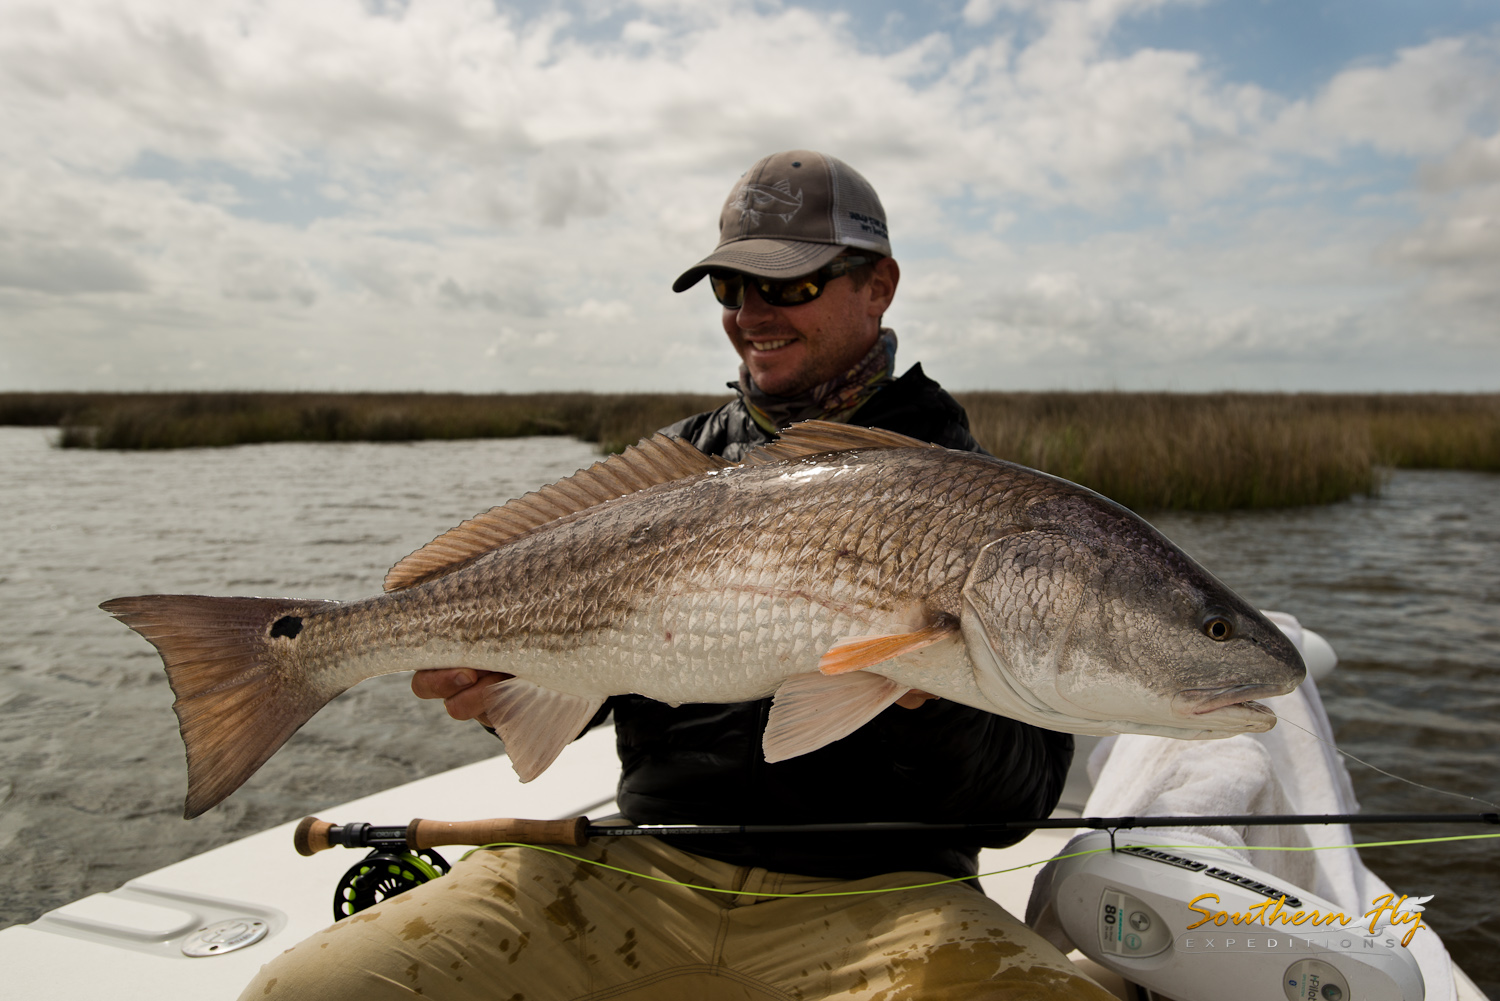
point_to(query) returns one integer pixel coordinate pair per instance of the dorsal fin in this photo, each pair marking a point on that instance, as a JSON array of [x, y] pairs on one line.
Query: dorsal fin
[[658, 459], [817, 437]]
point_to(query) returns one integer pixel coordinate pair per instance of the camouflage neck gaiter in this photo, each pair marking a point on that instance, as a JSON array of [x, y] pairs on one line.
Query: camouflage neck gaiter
[[835, 400]]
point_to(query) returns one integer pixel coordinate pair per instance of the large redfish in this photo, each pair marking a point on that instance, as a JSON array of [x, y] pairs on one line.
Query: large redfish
[[835, 568]]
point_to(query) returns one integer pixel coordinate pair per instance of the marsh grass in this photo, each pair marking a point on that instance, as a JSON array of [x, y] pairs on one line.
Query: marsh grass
[[184, 420], [1149, 451], [1157, 450], [1227, 451], [1435, 432]]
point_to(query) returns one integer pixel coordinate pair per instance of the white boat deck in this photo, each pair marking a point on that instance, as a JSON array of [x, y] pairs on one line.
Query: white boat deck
[[127, 944]]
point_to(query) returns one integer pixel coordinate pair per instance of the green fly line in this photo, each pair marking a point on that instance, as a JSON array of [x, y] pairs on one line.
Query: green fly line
[[964, 879]]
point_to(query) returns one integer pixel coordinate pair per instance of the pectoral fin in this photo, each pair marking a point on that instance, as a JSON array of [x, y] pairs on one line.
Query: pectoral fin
[[811, 710], [536, 723], [867, 651]]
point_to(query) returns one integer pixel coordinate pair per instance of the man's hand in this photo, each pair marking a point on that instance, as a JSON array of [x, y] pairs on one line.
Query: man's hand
[[911, 700], [462, 689]]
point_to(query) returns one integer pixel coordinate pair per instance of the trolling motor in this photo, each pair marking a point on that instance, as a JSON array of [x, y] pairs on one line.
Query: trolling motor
[[1186, 923]]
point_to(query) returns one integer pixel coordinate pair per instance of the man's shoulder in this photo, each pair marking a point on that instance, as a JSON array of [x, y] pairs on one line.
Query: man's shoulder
[[728, 431], [912, 405], [690, 428], [916, 405]]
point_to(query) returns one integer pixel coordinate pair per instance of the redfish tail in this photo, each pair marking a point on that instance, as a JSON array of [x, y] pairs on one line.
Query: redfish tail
[[226, 660]]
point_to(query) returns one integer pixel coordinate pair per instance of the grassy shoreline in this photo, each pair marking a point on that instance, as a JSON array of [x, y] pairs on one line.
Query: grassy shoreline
[[1227, 451], [197, 420], [1149, 451]]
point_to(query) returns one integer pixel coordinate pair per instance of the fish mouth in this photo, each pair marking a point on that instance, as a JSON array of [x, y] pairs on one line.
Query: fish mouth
[[1202, 701]]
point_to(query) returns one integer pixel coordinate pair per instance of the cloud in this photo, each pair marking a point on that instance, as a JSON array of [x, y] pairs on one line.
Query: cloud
[[380, 191], [1473, 162], [1422, 103], [68, 270], [612, 311], [1458, 244], [1143, 310]]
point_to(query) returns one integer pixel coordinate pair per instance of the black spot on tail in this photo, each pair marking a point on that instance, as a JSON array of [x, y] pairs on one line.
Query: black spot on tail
[[288, 626]]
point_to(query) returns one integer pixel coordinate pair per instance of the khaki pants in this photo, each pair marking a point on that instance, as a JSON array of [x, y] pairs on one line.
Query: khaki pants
[[524, 925]]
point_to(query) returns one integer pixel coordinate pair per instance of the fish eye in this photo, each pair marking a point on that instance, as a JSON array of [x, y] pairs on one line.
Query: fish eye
[[1218, 628]]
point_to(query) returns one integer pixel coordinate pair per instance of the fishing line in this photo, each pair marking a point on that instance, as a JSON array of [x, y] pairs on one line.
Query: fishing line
[[1399, 778], [964, 879]]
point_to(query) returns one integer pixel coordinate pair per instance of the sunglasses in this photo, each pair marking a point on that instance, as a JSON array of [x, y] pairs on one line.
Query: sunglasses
[[729, 286]]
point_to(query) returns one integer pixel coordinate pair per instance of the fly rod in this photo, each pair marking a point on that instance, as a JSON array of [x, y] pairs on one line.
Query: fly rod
[[313, 835]]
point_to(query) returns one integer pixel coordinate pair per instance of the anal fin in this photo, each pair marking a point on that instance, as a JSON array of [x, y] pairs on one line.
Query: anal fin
[[536, 723], [811, 710], [861, 652]]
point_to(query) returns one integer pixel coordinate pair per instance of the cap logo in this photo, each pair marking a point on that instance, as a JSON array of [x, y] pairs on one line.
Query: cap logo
[[755, 200]]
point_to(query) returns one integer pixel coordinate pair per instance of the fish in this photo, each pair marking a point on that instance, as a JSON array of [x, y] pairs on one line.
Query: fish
[[835, 569]]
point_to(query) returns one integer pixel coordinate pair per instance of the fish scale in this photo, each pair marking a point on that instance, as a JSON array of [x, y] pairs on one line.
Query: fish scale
[[837, 569]]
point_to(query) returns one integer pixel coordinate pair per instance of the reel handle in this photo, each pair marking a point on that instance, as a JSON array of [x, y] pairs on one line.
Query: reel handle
[[313, 835]]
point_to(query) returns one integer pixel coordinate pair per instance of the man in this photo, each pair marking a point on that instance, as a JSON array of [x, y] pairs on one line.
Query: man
[[804, 274]]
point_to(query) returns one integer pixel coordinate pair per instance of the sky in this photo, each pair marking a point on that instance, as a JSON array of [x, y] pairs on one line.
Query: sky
[[483, 196]]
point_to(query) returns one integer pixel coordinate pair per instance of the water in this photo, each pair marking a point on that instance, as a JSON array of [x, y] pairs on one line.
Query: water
[[1406, 587], [92, 773]]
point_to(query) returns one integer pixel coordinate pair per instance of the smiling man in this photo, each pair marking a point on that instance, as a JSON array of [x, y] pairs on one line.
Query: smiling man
[[802, 329], [803, 273]]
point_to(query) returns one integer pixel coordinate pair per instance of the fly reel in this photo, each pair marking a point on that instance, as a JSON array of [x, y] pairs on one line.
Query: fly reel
[[383, 874]]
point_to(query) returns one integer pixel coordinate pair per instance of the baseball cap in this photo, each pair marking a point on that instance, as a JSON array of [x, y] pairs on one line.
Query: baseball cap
[[790, 214]]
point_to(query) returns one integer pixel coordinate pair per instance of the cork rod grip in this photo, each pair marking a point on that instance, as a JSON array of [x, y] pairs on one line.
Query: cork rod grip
[[431, 833], [311, 836]]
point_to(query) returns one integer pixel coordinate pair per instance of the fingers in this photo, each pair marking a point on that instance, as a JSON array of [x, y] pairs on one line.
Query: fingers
[[914, 698], [442, 683], [462, 689]]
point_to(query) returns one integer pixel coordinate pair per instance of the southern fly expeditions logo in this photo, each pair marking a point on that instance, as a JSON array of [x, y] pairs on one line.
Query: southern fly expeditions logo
[[756, 200], [1254, 929]]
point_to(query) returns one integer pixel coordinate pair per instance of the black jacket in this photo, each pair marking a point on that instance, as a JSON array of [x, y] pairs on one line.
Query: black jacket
[[940, 763]]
